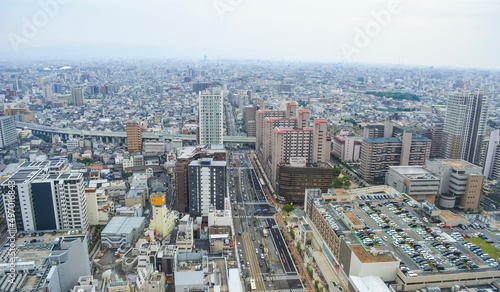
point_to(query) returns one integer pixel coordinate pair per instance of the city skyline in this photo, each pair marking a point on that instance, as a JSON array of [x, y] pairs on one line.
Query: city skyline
[[388, 32]]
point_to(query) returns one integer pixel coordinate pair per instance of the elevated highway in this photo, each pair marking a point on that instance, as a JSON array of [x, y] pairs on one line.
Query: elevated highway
[[120, 136]]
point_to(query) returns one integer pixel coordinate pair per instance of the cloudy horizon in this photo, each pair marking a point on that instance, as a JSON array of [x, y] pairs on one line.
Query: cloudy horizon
[[425, 33]]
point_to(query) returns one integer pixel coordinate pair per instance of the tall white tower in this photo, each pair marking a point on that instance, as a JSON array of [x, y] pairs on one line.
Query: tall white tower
[[211, 117]]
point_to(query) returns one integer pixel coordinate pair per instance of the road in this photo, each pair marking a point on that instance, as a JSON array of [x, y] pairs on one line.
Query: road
[[254, 264], [302, 271], [283, 254]]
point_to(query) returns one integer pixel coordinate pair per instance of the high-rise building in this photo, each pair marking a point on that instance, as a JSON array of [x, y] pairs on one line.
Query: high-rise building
[[198, 87], [48, 196], [207, 185], [320, 146], [346, 148], [460, 184], [380, 153], [185, 155], [260, 131], [211, 117], [77, 96], [56, 88], [436, 134], [134, 137], [268, 120], [465, 125], [374, 131], [268, 131], [293, 155], [95, 89], [47, 92], [249, 113], [8, 134], [290, 145], [243, 98], [18, 85], [492, 160]]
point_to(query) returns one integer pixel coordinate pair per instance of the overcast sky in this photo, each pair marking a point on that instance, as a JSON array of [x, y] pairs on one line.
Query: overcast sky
[[454, 33]]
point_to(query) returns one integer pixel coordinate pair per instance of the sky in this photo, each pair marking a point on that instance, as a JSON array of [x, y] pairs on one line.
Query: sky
[[441, 33]]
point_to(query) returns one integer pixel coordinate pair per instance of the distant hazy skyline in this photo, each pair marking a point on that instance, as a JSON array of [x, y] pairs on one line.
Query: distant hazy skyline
[[439, 33]]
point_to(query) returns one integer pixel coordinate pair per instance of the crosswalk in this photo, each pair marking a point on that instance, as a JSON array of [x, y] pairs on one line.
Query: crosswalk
[[287, 290], [252, 217], [285, 277]]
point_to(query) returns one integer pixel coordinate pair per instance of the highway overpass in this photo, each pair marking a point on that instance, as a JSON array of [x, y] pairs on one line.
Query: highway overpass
[[112, 136]]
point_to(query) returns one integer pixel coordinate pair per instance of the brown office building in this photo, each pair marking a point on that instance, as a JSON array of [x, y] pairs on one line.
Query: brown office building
[[292, 181], [134, 137]]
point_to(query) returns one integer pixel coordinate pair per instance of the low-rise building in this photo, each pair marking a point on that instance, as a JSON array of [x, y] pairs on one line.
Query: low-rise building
[[135, 196], [149, 280], [415, 181], [121, 231], [132, 211], [197, 272], [185, 238]]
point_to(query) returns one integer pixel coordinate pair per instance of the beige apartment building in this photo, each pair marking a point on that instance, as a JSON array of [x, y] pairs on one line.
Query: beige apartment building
[[380, 153]]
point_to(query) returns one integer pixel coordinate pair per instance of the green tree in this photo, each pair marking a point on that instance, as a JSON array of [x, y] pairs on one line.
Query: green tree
[[346, 181], [126, 175], [338, 183], [336, 171], [288, 208], [310, 271], [86, 161]]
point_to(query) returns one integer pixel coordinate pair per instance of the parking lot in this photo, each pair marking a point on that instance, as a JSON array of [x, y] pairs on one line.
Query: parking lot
[[396, 224]]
